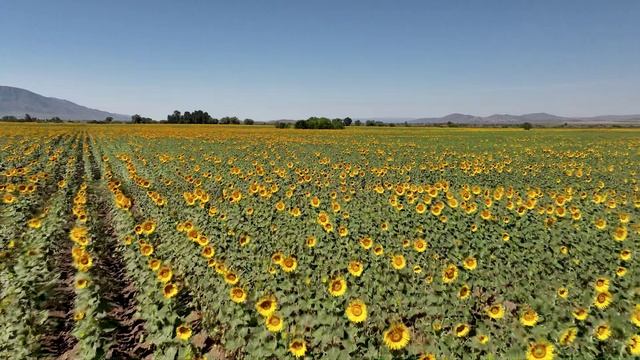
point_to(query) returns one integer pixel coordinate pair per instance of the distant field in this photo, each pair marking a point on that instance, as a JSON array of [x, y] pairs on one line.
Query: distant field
[[183, 241]]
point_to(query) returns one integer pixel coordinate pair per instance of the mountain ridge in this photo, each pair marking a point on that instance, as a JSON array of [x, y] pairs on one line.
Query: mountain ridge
[[18, 102], [506, 119]]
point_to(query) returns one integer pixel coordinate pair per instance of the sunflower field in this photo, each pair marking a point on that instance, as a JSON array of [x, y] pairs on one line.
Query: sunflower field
[[250, 242]]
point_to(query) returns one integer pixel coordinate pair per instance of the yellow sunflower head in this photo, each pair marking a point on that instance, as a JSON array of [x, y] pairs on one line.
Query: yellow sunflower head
[[266, 305], [602, 332], [397, 336], [529, 317], [183, 332], [238, 295], [355, 268], [356, 311], [461, 330], [495, 311], [274, 323], [398, 262], [602, 300], [298, 347], [337, 286], [540, 350]]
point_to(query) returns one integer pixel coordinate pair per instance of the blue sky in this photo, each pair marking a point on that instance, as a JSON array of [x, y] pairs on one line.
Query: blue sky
[[272, 59]]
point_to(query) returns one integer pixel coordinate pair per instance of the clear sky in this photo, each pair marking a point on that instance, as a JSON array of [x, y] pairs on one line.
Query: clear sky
[[274, 59]]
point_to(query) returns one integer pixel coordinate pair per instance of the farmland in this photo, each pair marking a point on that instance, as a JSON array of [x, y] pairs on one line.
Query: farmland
[[177, 241]]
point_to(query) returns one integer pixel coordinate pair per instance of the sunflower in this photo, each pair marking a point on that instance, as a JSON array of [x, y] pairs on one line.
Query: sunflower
[[356, 311], [580, 314], [343, 231], [323, 218], [8, 199], [208, 252], [625, 255], [148, 227], [274, 323], [78, 232], [355, 268], [483, 338], [277, 257], [337, 286], [461, 330], [427, 356], [464, 292], [78, 315], [298, 347], [183, 332], [165, 274], [378, 250], [568, 336], [81, 283], [602, 300], [127, 240], [601, 284], [620, 234], [84, 262], [633, 344], [540, 350], [398, 262], [289, 264], [169, 290], [449, 274], [420, 245], [602, 332], [220, 268], [146, 249], [417, 269], [202, 240], [366, 243], [563, 292], [470, 263], [397, 336], [635, 315], [529, 317], [621, 271], [238, 295], [34, 223], [495, 311], [266, 305], [311, 241], [193, 234], [231, 278]]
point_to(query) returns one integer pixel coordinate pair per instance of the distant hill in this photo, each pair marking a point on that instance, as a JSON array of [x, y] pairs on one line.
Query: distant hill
[[18, 102], [507, 119]]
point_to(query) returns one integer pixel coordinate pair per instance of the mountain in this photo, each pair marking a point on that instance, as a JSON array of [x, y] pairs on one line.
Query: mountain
[[18, 102], [536, 118]]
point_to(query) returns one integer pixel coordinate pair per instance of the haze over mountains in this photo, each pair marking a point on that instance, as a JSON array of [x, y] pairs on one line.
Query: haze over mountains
[[508, 119], [18, 102]]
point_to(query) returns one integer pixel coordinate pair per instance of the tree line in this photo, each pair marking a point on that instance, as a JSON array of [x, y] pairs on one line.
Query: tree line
[[29, 118], [203, 117]]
